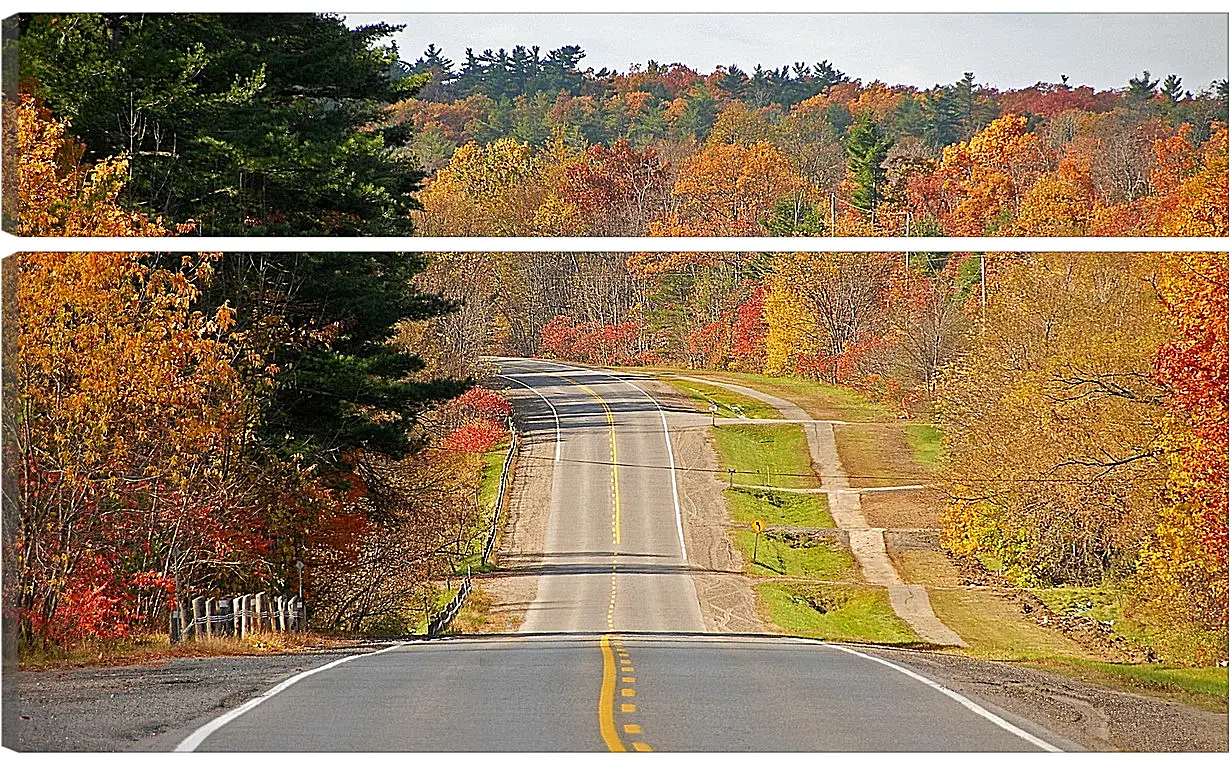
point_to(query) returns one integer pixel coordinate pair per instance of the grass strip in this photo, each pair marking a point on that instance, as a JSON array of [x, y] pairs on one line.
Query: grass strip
[[776, 557], [766, 454], [834, 612], [730, 405], [800, 510], [927, 443]]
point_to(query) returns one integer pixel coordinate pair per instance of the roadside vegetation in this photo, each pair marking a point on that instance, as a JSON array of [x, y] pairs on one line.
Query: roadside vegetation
[[833, 612], [793, 569], [774, 455], [779, 508], [822, 400], [730, 404]]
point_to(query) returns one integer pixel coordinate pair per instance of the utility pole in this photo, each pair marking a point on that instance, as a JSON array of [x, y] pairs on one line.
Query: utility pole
[[983, 293]]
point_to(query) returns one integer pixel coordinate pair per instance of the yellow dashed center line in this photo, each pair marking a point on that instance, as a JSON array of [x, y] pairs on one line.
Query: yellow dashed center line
[[612, 645]]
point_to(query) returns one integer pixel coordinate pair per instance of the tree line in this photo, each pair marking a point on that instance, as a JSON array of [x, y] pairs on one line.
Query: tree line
[[1073, 172]]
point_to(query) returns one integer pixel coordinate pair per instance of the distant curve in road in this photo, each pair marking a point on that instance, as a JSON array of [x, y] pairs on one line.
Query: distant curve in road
[[612, 654]]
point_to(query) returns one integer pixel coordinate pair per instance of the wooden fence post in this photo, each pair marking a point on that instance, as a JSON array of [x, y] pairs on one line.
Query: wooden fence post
[[198, 612], [173, 630], [260, 611], [209, 616]]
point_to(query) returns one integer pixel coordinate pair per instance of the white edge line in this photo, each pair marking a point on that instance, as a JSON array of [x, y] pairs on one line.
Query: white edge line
[[549, 404], [973, 707], [674, 486], [205, 731]]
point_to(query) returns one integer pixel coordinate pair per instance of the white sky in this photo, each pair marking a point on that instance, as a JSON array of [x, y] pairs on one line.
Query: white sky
[[1003, 50]]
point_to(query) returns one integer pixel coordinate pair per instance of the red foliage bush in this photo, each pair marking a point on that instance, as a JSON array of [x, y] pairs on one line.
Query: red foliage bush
[[475, 436], [589, 342], [484, 403]]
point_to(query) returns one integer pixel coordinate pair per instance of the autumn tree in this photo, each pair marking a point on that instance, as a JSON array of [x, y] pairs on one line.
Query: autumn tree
[[728, 189], [979, 184], [617, 190], [1052, 420], [129, 421], [823, 311], [1183, 570]]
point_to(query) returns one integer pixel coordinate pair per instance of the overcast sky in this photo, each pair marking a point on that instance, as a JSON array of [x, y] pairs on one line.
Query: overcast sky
[[1003, 50]]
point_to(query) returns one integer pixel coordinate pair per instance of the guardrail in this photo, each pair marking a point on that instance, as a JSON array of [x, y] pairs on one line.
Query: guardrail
[[500, 498], [440, 621], [237, 616]]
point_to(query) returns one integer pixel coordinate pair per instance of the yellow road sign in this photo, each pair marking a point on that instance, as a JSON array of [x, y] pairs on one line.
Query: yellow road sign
[[758, 525]]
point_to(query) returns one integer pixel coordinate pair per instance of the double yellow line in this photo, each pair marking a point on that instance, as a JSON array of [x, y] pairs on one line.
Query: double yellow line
[[617, 677]]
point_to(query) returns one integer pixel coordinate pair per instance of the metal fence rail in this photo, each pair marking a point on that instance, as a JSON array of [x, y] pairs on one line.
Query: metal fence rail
[[440, 621], [501, 497]]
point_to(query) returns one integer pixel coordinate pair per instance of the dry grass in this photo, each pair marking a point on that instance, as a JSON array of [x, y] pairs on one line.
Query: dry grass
[[480, 615], [995, 628], [144, 649], [903, 509], [821, 401], [929, 568], [878, 455]]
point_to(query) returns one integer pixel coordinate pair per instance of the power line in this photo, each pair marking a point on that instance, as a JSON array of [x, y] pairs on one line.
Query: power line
[[918, 479]]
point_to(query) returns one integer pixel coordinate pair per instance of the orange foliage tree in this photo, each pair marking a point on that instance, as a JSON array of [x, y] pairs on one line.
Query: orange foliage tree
[[1184, 565], [728, 190], [128, 419]]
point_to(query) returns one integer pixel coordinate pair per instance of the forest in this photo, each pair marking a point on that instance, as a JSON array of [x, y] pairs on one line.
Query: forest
[[222, 416], [524, 144]]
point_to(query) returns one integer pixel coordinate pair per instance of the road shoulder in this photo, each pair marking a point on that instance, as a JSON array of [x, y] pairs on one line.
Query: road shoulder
[[144, 707], [1097, 717]]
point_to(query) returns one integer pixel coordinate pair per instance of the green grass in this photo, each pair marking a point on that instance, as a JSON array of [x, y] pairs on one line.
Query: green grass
[[766, 454], [1213, 681], [927, 444], [775, 557], [492, 466], [822, 401], [488, 489], [730, 405], [802, 510], [834, 612]]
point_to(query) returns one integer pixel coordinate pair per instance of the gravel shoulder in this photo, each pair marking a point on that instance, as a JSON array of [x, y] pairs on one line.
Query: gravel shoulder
[[513, 585], [727, 601], [1099, 718], [145, 707]]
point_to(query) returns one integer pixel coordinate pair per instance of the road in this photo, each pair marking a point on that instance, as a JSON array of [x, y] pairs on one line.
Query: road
[[613, 653]]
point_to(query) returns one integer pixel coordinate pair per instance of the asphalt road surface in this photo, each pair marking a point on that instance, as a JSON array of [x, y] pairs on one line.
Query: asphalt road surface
[[612, 654]]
